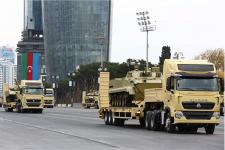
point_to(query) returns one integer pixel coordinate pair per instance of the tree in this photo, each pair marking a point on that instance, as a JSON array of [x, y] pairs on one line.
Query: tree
[[166, 54], [215, 56]]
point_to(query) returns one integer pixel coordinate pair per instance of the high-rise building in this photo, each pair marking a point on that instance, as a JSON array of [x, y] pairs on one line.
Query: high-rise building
[[7, 53], [8, 72], [30, 58], [75, 33]]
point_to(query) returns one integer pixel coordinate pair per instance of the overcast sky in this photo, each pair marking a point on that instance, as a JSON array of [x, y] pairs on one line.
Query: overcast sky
[[188, 26]]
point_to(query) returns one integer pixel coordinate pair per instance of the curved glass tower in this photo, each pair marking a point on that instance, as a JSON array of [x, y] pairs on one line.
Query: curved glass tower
[[75, 33]]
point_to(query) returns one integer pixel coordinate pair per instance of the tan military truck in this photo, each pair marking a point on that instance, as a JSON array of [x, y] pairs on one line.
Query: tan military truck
[[49, 98], [90, 99], [30, 97], [189, 99], [9, 97]]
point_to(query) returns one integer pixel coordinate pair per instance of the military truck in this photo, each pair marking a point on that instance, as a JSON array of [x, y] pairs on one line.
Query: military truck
[[189, 99], [90, 99], [9, 97], [48, 98], [30, 97]]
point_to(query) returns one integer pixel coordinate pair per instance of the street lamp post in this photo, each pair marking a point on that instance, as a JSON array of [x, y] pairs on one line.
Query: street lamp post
[[144, 22], [71, 84], [101, 39], [55, 79]]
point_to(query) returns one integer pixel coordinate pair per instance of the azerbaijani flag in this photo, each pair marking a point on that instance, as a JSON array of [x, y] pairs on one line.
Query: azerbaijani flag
[[30, 66]]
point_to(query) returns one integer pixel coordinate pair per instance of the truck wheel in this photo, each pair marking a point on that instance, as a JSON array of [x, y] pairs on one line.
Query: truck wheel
[[152, 123], [96, 106], [142, 122], [121, 122], [110, 118], [209, 129], [106, 118], [10, 109], [169, 126], [115, 121], [148, 120]]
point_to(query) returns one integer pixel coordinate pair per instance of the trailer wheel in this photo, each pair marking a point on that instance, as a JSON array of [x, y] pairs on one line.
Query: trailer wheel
[[142, 122], [106, 118], [110, 119], [10, 109], [209, 129], [169, 126], [121, 122], [115, 121], [148, 120], [153, 123]]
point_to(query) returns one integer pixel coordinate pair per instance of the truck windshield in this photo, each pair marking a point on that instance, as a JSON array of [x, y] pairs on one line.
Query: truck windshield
[[197, 84], [48, 93], [33, 91]]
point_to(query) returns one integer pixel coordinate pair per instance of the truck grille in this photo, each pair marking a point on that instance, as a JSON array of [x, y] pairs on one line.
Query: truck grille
[[204, 115], [33, 100], [198, 105], [48, 101]]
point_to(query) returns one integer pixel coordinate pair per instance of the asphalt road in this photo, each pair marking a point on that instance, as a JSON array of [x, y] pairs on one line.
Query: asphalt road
[[81, 129]]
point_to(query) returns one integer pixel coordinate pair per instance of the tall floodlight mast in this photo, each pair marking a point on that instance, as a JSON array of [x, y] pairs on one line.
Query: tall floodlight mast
[[146, 26]]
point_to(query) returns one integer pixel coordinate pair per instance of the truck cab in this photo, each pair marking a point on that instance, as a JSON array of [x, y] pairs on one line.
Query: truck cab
[[30, 97], [49, 98], [189, 98]]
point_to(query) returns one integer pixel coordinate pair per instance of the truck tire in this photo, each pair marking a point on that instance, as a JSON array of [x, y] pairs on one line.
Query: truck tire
[[142, 122], [209, 129], [121, 122], [169, 126], [40, 111], [115, 121], [10, 109], [148, 120], [110, 118], [106, 118], [153, 123]]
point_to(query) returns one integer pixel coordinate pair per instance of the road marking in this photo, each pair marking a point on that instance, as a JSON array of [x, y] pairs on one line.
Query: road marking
[[64, 133]]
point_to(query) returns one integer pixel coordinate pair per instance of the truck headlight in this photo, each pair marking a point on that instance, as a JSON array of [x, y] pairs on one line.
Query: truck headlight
[[179, 114], [216, 115]]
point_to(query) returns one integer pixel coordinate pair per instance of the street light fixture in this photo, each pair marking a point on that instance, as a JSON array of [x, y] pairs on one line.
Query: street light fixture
[[55, 79], [71, 83], [145, 23]]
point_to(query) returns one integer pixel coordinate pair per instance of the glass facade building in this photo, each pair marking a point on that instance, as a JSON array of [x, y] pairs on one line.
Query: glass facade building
[[33, 14], [75, 33]]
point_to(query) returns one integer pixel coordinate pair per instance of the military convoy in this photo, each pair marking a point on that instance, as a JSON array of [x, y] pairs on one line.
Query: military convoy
[[90, 99], [186, 97]]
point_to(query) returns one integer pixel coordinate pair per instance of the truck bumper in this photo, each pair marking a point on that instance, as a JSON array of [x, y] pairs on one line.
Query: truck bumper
[[213, 120], [48, 105]]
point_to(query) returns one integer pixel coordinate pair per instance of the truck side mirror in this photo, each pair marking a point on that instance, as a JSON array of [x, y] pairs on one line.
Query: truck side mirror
[[168, 84], [221, 85]]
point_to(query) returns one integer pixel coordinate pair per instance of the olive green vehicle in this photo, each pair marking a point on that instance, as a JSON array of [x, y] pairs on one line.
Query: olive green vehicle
[[9, 97], [90, 99], [188, 98], [30, 97]]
